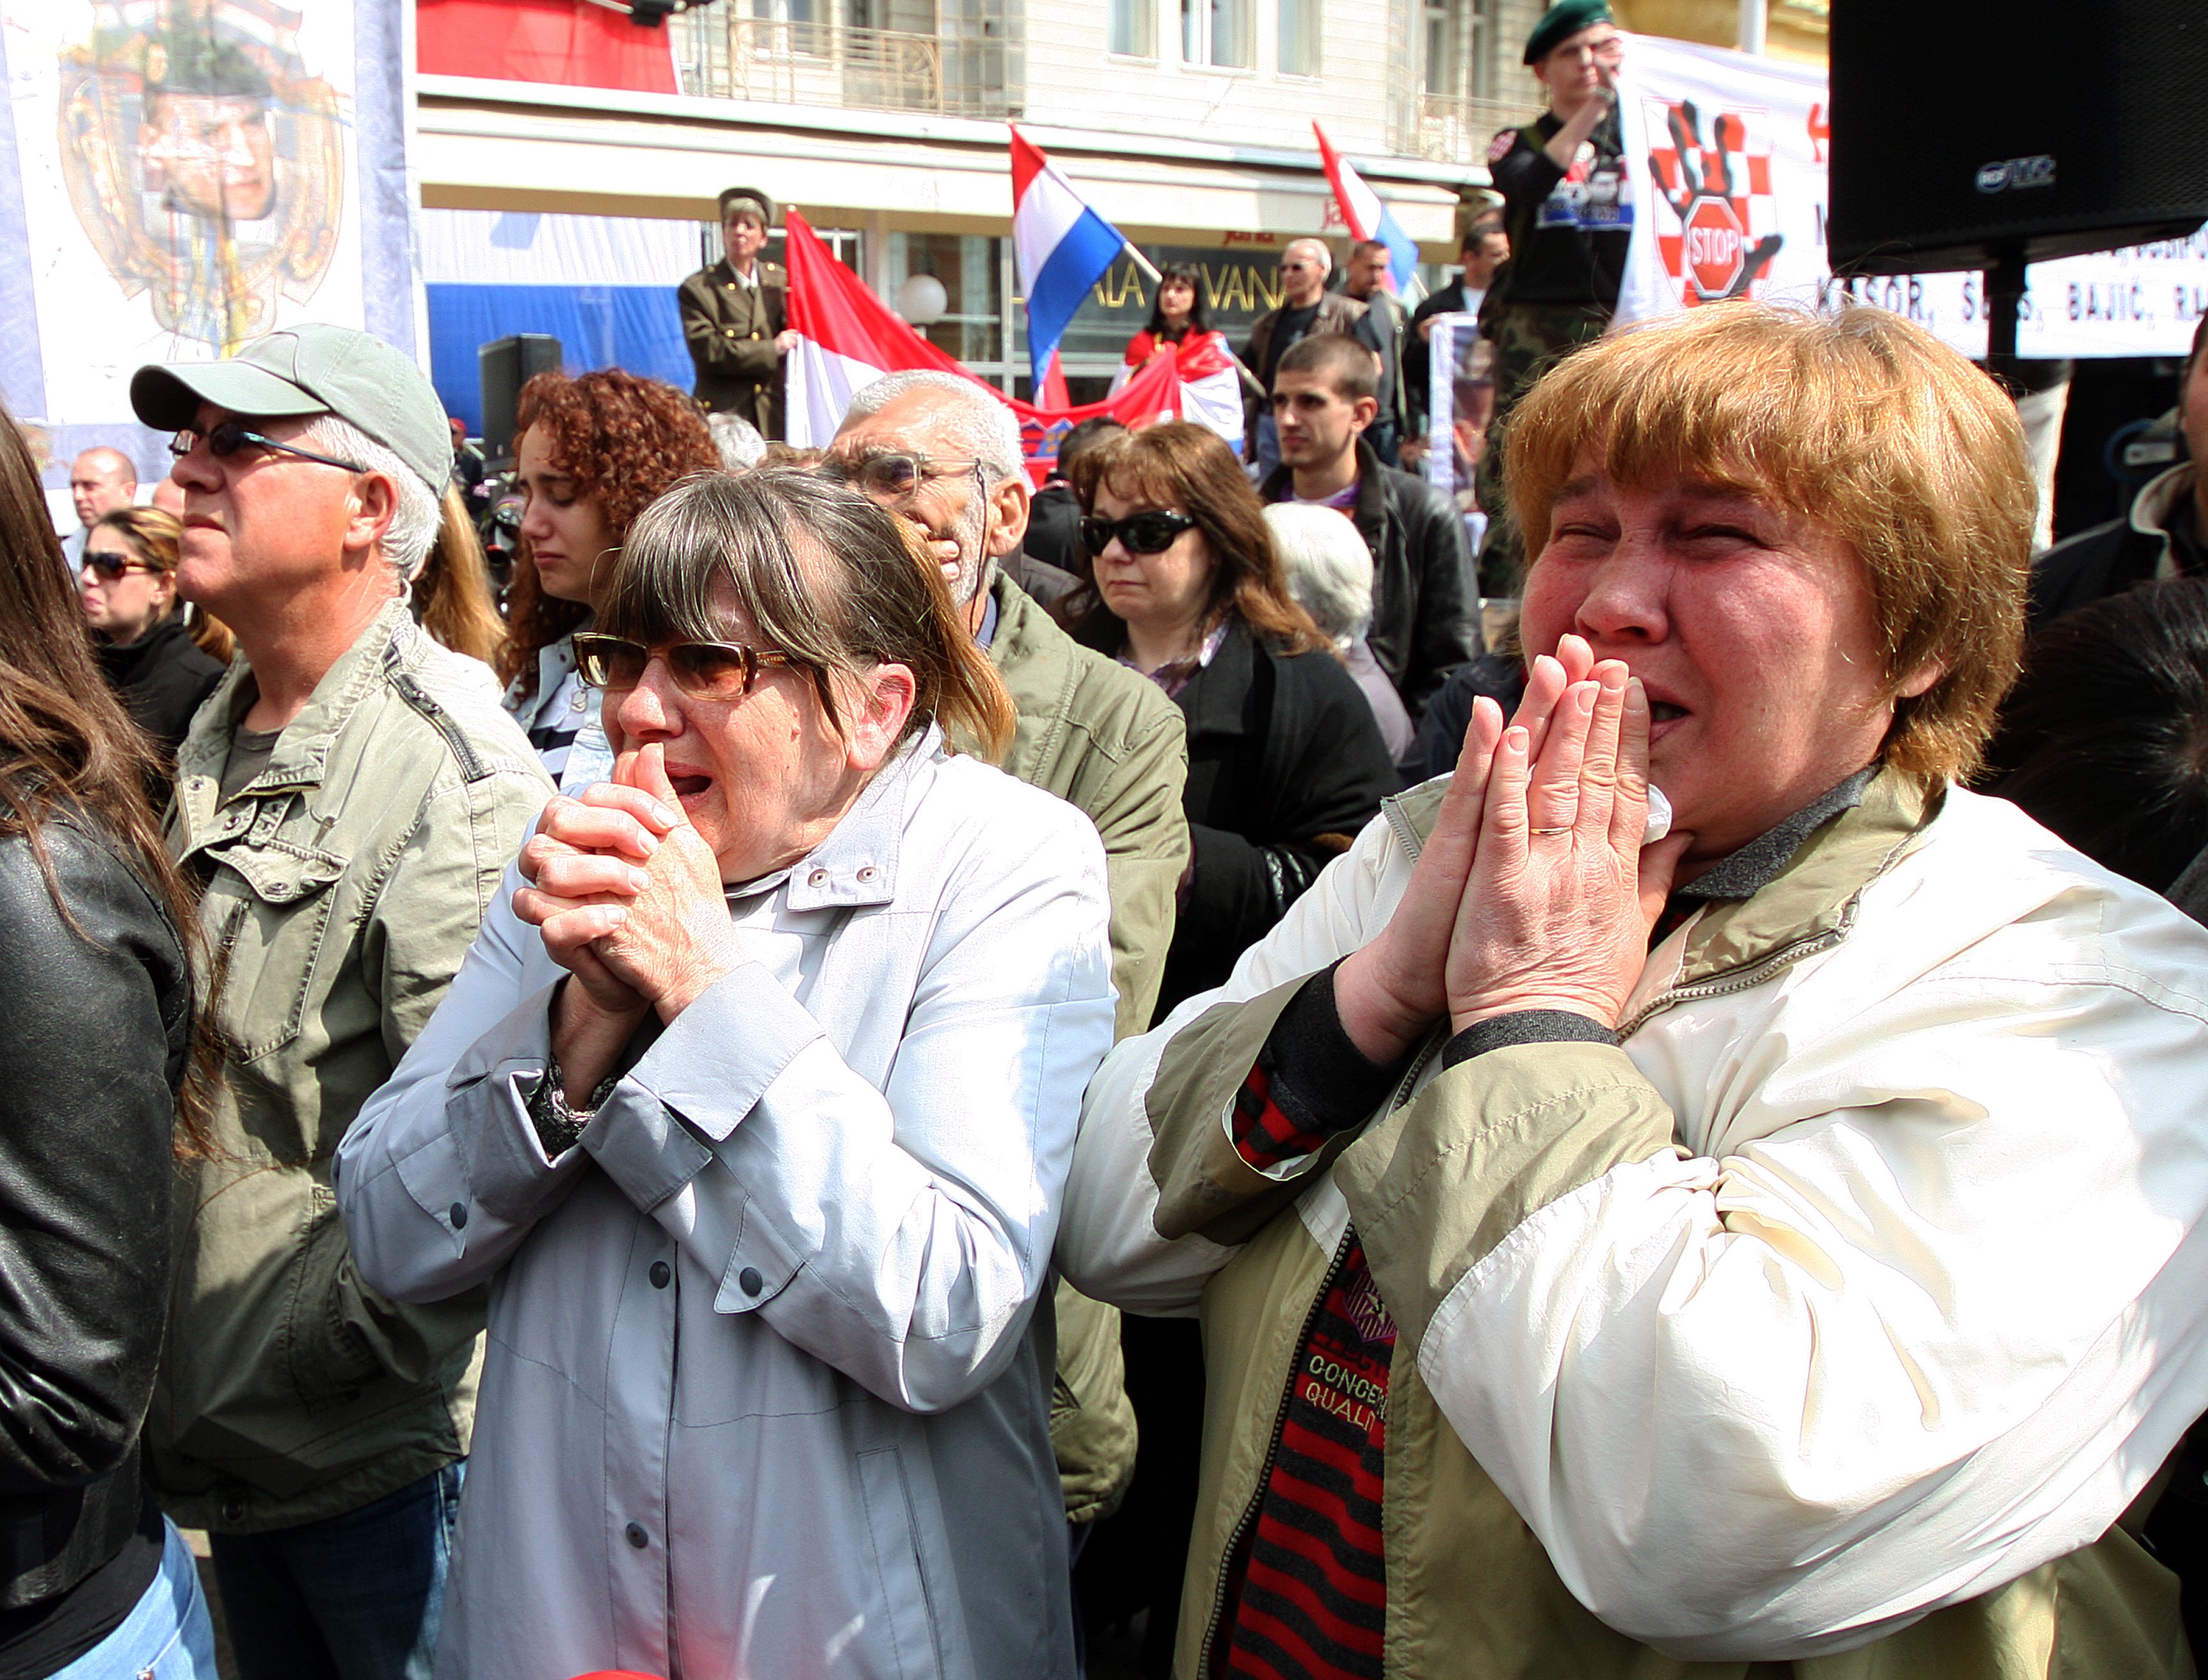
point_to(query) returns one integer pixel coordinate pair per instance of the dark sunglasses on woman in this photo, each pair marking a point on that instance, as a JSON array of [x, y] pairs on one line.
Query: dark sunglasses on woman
[[1147, 533], [703, 670], [110, 564]]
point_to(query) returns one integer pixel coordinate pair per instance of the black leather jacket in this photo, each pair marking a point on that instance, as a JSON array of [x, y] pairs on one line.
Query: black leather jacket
[[95, 1029]]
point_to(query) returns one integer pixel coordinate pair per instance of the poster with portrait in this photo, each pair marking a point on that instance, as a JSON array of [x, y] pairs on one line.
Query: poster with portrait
[[177, 177], [1460, 402]]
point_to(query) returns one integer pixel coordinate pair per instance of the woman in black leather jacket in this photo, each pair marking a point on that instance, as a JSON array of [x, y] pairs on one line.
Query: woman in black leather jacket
[[98, 1042]]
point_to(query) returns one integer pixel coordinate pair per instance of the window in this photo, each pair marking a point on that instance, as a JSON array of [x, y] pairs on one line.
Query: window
[[1218, 32], [1299, 30], [1132, 28], [1453, 64]]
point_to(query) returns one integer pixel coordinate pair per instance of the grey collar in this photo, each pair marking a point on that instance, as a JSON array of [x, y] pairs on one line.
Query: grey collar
[[1747, 871]]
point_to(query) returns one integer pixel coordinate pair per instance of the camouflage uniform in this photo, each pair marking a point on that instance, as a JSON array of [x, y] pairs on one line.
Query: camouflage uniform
[[1529, 340]]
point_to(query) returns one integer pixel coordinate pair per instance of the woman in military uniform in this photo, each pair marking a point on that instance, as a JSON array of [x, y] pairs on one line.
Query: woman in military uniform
[[732, 317]]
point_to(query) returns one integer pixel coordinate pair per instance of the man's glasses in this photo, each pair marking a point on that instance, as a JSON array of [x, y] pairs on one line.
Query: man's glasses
[[898, 475], [1149, 533], [703, 670], [228, 438], [109, 566]]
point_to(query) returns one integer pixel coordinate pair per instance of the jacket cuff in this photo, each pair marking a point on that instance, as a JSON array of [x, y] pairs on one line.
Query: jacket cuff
[[1525, 1026], [1319, 1079]]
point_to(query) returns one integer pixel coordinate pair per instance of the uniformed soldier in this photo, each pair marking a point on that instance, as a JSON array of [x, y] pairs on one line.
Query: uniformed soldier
[[1567, 207], [732, 317]]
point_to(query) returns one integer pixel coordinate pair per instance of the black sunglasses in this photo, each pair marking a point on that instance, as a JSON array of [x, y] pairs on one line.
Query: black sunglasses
[[228, 438], [111, 566], [703, 670], [1147, 533]]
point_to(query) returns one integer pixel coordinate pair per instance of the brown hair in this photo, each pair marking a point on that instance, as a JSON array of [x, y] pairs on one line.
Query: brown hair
[[825, 577], [452, 594], [1859, 420], [1187, 469], [1347, 365], [155, 537], [619, 438], [67, 746]]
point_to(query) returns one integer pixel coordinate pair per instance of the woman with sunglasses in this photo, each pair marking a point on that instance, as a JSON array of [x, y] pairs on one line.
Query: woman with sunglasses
[[591, 453], [1284, 762], [108, 1073], [752, 1106], [127, 589]]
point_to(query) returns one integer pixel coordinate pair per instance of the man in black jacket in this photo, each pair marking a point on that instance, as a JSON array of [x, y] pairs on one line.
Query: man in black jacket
[[2163, 534], [1425, 613]]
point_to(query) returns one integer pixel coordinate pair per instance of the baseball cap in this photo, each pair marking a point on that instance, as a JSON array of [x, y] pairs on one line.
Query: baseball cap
[[312, 370]]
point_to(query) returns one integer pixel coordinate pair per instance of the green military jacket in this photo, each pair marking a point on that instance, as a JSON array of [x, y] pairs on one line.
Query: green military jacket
[[730, 329], [1107, 741], [342, 886]]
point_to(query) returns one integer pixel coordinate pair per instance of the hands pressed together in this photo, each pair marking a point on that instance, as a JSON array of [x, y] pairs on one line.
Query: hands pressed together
[[1534, 891], [629, 899]]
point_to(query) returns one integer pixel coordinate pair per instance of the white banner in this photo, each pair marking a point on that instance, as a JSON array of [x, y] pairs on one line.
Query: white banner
[[176, 179], [1727, 153]]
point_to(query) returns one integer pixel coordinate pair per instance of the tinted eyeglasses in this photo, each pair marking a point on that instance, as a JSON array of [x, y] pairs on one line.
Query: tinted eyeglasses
[[1147, 533], [110, 564], [703, 670], [898, 475], [228, 438]]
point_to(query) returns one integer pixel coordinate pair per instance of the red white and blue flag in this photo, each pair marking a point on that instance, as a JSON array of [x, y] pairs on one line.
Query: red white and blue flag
[[1367, 217], [847, 338], [1061, 248]]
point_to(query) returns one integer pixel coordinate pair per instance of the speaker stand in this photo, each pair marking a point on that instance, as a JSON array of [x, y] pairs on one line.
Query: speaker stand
[[2004, 283]]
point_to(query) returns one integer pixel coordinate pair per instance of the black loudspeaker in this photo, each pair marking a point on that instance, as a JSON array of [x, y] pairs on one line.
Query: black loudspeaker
[[1967, 130], [505, 365]]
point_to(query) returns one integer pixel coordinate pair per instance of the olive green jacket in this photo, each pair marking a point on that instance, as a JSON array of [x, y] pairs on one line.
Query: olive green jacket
[[342, 886], [1107, 741], [1443, 1181]]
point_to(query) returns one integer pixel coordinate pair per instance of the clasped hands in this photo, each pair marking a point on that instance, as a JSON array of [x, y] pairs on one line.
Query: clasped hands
[[1533, 891], [628, 898]]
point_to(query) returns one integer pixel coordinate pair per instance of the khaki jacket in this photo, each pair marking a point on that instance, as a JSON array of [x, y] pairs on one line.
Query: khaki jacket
[[1108, 741], [730, 329], [342, 886], [1824, 1327]]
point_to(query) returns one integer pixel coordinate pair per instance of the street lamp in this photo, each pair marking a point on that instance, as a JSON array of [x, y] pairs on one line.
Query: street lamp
[[921, 300]]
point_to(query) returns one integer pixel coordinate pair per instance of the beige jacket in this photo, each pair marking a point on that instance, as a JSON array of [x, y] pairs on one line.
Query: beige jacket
[[344, 884], [1825, 1326], [1109, 742]]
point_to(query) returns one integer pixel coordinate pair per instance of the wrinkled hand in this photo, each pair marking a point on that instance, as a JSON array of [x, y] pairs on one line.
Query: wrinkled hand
[[1561, 894], [1391, 989]]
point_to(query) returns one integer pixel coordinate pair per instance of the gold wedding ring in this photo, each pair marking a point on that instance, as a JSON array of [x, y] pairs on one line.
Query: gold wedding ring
[[1566, 829]]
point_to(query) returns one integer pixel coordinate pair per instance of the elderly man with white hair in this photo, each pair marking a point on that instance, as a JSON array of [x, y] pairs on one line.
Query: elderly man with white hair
[[1307, 309], [1330, 572], [349, 796], [945, 455]]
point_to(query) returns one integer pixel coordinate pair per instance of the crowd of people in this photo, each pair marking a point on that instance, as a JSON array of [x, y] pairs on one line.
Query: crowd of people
[[868, 1070]]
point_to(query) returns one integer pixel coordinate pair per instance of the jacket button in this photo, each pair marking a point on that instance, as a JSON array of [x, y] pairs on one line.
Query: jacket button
[[233, 1510], [637, 1537], [749, 1281], [817, 878], [458, 1213], [869, 872], [662, 1274]]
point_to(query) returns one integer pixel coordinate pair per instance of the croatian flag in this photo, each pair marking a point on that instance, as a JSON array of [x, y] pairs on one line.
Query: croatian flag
[[1062, 249], [1367, 217], [847, 338]]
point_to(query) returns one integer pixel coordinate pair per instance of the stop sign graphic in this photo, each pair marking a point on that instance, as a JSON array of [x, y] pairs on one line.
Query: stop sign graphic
[[1714, 247]]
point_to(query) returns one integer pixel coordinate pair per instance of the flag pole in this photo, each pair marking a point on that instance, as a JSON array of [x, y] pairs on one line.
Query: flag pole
[[1141, 261]]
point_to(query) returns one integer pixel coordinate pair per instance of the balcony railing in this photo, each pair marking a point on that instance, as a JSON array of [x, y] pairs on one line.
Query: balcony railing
[[723, 54], [1446, 129]]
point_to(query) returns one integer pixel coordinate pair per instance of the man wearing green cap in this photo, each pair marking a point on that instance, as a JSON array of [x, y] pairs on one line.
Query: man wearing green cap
[[348, 797], [1568, 208]]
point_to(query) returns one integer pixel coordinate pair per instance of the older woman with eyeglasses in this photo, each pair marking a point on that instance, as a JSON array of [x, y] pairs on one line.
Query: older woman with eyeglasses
[[127, 588], [753, 1108]]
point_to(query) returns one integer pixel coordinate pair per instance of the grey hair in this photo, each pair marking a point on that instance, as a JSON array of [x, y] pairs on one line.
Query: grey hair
[[981, 425], [1328, 568], [737, 439], [413, 528], [1319, 246]]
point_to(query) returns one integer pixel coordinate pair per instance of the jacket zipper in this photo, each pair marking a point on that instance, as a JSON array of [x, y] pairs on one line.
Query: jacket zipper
[[1395, 1101], [1740, 979]]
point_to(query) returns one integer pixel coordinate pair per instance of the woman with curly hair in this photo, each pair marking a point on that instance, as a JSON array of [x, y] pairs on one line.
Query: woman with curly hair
[[593, 451]]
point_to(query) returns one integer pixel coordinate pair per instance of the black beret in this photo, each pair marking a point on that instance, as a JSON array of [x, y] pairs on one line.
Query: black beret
[[1560, 22]]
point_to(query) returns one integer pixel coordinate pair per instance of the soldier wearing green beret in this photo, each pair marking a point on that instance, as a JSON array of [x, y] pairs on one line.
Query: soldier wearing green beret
[[733, 319], [1568, 210]]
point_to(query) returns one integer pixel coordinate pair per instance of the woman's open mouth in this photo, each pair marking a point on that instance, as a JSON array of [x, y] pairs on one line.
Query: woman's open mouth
[[689, 784], [1663, 711]]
